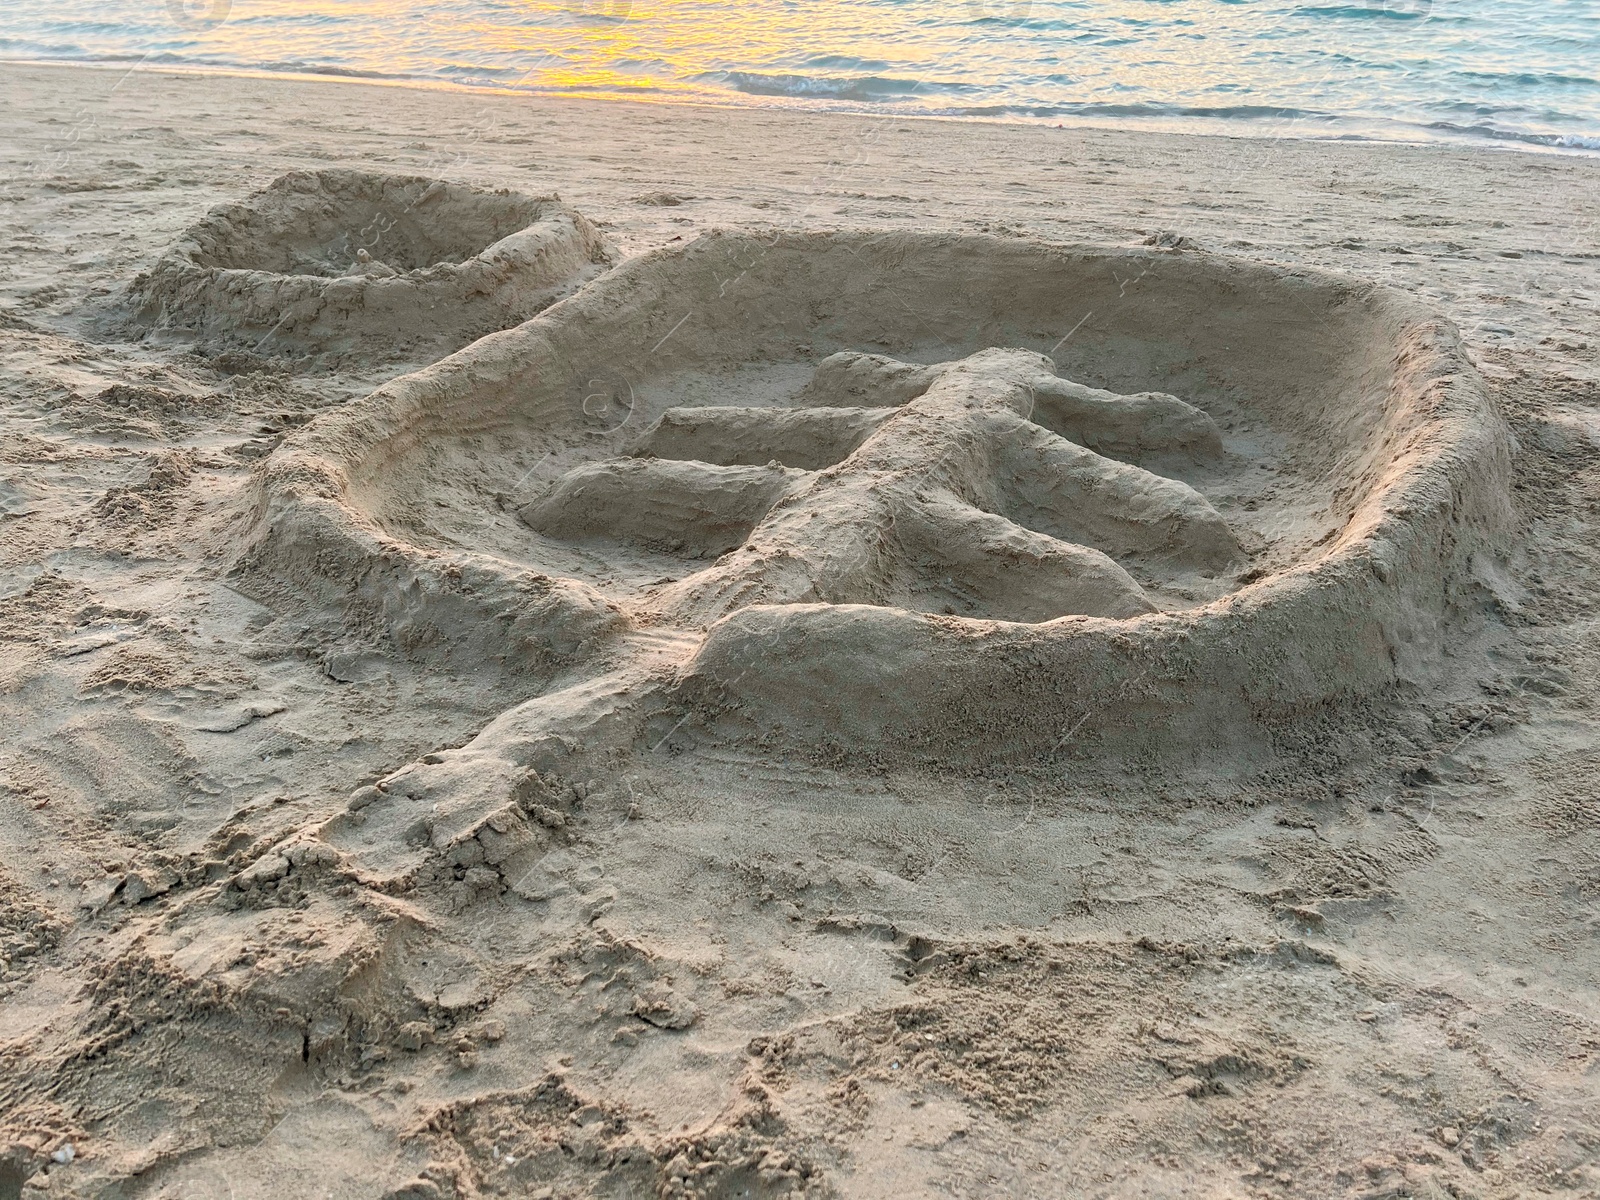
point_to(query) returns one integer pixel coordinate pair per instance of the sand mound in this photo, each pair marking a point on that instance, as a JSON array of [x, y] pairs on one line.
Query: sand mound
[[349, 261], [920, 496]]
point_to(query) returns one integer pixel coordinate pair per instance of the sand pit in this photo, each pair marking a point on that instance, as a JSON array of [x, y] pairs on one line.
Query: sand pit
[[356, 263], [922, 497]]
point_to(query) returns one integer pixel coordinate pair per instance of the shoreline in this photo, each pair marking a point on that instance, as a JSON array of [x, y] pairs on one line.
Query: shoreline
[[1206, 127]]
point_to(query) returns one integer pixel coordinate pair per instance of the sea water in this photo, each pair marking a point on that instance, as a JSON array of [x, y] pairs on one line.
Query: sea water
[[1508, 72]]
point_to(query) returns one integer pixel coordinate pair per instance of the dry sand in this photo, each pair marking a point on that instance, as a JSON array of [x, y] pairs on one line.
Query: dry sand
[[760, 727]]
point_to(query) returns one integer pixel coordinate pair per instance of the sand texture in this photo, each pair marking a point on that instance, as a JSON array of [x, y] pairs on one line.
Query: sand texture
[[576, 649]]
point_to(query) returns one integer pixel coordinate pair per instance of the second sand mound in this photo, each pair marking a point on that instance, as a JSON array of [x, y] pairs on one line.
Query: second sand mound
[[928, 497], [351, 262]]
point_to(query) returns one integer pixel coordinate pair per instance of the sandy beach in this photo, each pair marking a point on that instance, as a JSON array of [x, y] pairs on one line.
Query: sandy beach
[[407, 793]]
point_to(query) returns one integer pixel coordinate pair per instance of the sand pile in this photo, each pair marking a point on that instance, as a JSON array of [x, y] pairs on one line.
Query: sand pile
[[911, 531], [350, 262]]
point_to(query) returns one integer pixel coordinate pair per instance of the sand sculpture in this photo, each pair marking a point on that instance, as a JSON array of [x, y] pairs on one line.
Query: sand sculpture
[[349, 262], [755, 508], [959, 498], [910, 496]]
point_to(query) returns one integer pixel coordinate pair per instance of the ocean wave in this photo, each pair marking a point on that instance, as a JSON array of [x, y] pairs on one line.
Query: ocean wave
[[1394, 10], [332, 70], [884, 91], [1220, 112], [1235, 112], [1527, 78], [22, 48], [1556, 141], [861, 87], [845, 62]]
